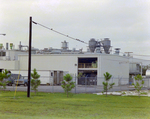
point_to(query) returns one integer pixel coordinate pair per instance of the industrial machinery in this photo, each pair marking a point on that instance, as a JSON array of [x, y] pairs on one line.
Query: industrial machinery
[[95, 46]]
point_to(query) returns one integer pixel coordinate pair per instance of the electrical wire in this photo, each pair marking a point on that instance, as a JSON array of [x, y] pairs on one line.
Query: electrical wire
[[59, 32]]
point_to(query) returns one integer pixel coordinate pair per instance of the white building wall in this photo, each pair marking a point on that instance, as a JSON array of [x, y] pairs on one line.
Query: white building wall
[[23, 62], [9, 64], [50, 62], [117, 66]]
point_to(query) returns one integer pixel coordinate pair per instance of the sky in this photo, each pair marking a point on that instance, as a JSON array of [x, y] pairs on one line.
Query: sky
[[125, 22]]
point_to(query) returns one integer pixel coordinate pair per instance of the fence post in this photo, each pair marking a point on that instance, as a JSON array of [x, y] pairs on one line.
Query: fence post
[[148, 82], [112, 88], [53, 85], [95, 83], [75, 83], [85, 83], [120, 83]]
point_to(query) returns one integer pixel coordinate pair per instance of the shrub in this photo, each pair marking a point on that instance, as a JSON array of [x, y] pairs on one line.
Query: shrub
[[67, 83], [35, 82], [138, 83], [105, 84]]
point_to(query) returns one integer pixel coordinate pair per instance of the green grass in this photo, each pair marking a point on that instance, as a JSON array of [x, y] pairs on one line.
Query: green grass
[[79, 106]]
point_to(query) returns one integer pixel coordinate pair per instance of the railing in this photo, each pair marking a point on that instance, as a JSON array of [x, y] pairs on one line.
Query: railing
[[86, 65], [87, 81]]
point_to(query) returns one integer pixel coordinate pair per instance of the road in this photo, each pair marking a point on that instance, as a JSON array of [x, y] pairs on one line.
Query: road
[[78, 89]]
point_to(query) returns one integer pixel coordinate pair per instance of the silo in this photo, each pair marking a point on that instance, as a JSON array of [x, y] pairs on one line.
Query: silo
[[92, 44], [106, 45]]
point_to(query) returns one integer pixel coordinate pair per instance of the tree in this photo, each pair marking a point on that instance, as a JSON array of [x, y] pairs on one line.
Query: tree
[[67, 83], [34, 81], [4, 74], [138, 83], [105, 84]]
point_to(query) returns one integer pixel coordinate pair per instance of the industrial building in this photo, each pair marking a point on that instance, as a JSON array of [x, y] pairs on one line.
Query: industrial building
[[96, 61]]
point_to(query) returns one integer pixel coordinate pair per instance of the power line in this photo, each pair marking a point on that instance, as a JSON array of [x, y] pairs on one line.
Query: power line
[[59, 32]]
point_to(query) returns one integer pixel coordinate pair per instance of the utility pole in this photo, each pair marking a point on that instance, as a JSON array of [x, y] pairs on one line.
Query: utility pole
[[29, 61]]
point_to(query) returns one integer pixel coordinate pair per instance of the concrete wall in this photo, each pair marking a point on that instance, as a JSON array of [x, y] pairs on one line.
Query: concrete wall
[[50, 62], [9, 64], [117, 66]]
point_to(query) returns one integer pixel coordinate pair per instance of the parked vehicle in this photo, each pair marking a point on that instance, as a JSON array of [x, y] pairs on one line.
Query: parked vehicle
[[23, 80], [11, 79]]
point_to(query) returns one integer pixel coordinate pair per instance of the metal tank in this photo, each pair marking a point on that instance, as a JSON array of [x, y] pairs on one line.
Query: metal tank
[[148, 73], [106, 45], [92, 44]]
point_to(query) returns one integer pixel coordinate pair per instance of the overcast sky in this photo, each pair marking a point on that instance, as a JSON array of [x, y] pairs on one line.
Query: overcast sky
[[125, 22]]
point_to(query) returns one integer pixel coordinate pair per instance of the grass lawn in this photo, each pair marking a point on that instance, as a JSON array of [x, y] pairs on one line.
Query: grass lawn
[[79, 106]]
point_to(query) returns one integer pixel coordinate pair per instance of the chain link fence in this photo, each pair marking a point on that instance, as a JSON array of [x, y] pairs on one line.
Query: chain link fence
[[94, 85], [86, 85]]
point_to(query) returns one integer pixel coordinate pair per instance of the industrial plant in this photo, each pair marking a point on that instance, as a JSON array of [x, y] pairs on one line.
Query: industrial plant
[[55, 63]]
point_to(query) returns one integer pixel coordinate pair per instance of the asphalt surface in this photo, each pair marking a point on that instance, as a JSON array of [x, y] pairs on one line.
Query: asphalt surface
[[78, 89]]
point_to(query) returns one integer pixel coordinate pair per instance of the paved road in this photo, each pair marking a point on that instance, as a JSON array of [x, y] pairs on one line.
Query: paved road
[[78, 89]]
